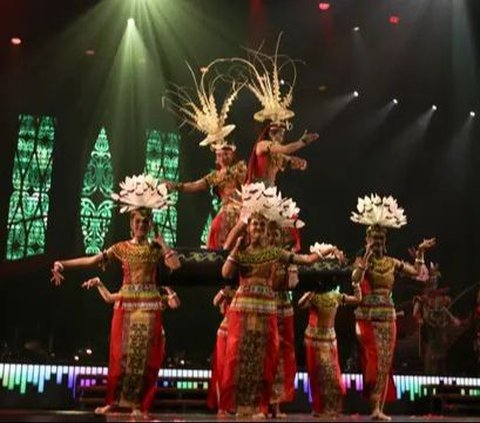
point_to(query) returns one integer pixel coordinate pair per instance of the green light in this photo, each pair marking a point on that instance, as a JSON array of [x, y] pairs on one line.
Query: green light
[[216, 204], [161, 161], [131, 22], [96, 204], [31, 180]]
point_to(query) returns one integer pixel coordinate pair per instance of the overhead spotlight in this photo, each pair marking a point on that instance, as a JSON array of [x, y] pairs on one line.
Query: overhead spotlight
[[16, 41], [472, 113], [282, 81], [324, 6], [76, 357], [395, 101], [434, 107], [356, 28], [88, 351], [356, 93]]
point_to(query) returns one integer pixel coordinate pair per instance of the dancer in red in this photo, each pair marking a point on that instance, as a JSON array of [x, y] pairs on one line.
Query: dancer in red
[[136, 339], [376, 272], [197, 108], [214, 400]]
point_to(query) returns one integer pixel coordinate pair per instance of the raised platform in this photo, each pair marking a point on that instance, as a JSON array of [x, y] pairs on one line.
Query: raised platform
[[40, 386]]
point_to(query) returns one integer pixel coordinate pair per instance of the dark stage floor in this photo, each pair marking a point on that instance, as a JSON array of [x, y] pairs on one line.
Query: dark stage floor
[[77, 416]]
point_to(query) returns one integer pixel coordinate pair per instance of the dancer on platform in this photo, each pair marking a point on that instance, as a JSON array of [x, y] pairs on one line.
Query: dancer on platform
[[136, 339], [375, 316], [198, 109]]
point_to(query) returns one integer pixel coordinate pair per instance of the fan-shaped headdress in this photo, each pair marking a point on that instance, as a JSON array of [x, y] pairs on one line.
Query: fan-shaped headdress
[[142, 191], [267, 201], [376, 211]]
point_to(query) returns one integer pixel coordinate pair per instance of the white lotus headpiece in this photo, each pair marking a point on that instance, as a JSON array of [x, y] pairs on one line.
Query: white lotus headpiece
[[374, 210], [142, 191], [198, 107], [267, 201]]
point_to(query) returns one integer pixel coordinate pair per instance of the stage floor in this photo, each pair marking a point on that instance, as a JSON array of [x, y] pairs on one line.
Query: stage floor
[[77, 416]]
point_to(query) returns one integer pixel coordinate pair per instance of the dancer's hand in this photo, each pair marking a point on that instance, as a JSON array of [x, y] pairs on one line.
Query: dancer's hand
[[427, 243], [91, 283], [57, 277], [309, 137], [296, 163]]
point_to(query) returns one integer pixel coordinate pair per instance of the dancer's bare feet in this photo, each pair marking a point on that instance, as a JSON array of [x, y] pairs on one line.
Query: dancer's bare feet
[[380, 416], [259, 416], [103, 410]]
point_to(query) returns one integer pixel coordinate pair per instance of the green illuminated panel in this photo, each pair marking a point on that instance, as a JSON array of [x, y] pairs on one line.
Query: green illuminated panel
[[96, 203], [31, 181], [161, 161]]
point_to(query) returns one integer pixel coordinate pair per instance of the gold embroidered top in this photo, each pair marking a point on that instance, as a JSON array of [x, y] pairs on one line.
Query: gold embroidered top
[[323, 309], [229, 181], [139, 262], [381, 273], [258, 265]]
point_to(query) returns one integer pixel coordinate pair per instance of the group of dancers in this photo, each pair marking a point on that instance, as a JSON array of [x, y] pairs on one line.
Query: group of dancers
[[253, 366]]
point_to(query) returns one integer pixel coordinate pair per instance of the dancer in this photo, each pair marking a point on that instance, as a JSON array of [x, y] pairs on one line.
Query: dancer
[[375, 316], [136, 339], [198, 109], [252, 340], [323, 367], [222, 300]]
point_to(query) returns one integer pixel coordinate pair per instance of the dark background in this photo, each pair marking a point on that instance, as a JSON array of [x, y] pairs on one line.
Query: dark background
[[429, 165]]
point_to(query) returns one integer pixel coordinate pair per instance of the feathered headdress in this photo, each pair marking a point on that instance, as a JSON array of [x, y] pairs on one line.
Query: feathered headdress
[[379, 211], [257, 198], [265, 82], [198, 107], [142, 191]]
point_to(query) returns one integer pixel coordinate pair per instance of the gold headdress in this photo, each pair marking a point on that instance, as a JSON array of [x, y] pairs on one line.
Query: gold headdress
[[265, 83], [198, 107]]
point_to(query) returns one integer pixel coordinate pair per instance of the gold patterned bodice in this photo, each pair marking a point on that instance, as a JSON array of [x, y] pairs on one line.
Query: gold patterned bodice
[[381, 273], [323, 308], [258, 266], [229, 181], [139, 262]]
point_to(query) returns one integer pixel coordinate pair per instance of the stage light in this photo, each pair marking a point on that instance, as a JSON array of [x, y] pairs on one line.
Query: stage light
[[434, 107], [395, 101], [356, 28], [88, 351], [324, 6], [356, 93], [90, 52], [131, 22], [282, 82], [16, 41], [394, 20], [76, 357], [472, 113]]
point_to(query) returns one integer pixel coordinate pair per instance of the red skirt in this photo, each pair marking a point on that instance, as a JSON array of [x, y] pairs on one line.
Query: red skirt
[[221, 225], [283, 389], [377, 341], [137, 349], [250, 361]]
